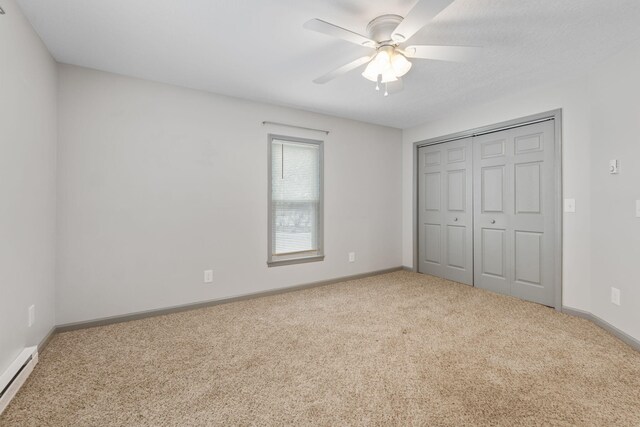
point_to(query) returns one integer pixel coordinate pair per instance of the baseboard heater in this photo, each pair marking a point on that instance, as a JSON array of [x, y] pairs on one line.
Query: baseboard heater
[[15, 376]]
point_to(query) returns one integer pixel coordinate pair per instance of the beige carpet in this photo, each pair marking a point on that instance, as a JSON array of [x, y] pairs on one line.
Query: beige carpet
[[396, 349]]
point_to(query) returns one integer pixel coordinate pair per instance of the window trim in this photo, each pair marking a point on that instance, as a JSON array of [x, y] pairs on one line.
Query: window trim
[[306, 256]]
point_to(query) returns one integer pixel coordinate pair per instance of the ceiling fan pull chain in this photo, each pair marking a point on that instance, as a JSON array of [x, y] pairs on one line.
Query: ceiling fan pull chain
[[386, 91]]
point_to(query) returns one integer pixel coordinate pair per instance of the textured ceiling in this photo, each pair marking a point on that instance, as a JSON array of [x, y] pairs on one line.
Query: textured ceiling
[[258, 50]]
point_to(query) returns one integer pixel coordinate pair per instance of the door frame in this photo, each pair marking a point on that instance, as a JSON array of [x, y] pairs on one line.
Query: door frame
[[556, 116]]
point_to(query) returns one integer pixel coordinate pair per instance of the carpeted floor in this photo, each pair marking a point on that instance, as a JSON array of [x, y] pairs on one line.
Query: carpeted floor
[[395, 349]]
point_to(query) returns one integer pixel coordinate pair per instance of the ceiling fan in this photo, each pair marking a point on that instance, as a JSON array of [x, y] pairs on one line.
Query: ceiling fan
[[388, 35]]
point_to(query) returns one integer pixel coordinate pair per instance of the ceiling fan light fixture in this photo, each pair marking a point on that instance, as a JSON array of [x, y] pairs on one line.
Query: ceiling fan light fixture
[[382, 60], [388, 76], [400, 64], [380, 65], [371, 72]]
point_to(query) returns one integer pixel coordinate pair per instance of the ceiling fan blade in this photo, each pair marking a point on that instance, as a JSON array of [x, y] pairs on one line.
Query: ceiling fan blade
[[395, 87], [342, 33], [343, 70], [444, 53], [421, 14]]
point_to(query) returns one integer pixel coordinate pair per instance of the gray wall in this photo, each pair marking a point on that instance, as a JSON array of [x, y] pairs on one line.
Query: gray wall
[[157, 183], [27, 184], [601, 121]]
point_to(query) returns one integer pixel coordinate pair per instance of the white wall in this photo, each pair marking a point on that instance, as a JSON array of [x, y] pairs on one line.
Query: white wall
[[27, 184], [601, 120], [614, 90], [158, 183]]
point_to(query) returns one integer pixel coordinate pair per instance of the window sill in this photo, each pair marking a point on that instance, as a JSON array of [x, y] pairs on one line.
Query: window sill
[[300, 260]]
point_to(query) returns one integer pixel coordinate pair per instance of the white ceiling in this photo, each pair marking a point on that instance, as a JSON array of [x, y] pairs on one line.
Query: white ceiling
[[258, 50]]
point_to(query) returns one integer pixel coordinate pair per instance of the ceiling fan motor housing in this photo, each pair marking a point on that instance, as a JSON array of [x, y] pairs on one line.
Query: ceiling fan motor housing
[[381, 28]]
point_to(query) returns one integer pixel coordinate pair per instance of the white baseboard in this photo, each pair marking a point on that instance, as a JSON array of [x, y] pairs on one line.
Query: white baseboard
[[16, 375]]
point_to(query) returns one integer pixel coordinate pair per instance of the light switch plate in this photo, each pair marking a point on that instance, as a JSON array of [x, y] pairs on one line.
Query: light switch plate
[[352, 257], [569, 205]]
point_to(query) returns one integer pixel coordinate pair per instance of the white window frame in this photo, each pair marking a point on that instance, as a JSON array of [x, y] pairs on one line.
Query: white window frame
[[306, 256]]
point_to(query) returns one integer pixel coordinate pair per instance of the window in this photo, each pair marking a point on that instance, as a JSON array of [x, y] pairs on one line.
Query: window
[[295, 200]]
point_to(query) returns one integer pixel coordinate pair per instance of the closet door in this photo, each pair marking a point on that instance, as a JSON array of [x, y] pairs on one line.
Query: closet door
[[514, 207], [445, 219]]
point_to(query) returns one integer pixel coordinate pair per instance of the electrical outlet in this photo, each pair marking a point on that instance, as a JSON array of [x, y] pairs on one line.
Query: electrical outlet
[[569, 205], [32, 315], [352, 257], [208, 276], [615, 296]]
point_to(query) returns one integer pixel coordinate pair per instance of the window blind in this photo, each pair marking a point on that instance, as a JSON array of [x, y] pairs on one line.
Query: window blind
[[295, 194]]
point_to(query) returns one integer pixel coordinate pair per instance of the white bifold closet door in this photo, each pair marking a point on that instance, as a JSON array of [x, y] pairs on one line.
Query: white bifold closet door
[[445, 219], [514, 205]]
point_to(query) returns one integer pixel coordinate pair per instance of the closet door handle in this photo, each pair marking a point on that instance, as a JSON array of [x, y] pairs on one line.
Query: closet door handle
[[493, 221], [455, 219]]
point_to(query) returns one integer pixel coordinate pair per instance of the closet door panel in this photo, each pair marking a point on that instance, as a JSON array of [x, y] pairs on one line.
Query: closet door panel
[[445, 216], [514, 207]]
